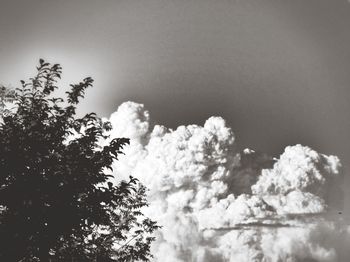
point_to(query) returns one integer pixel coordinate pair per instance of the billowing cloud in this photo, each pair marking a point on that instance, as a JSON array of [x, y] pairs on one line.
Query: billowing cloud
[[301, 181], [218, 204]]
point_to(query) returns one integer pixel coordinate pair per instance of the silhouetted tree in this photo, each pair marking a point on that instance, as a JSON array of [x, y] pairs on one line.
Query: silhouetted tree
[[7, 95], [56, 201]]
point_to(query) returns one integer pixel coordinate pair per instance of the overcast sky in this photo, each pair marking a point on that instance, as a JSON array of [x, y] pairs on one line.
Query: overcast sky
[[278, 71]]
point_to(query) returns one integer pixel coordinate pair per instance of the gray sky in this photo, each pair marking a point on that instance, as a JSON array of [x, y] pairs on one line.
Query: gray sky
[[278, 71]]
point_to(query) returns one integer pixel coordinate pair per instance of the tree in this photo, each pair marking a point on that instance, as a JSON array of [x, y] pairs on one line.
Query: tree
[[56, 200], [7, 95]]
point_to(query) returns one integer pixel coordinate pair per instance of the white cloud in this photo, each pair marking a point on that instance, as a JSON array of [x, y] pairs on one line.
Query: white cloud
[[218, 204]]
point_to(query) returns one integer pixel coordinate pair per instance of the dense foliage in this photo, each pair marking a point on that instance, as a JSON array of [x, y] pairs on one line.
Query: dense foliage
[[57, 203]]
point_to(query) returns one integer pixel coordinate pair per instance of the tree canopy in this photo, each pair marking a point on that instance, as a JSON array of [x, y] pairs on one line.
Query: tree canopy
[[56, 199]]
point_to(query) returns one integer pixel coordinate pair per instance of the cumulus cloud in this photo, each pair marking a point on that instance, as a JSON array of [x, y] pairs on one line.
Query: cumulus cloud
[[216, 203], [301, 181], [307, 242]]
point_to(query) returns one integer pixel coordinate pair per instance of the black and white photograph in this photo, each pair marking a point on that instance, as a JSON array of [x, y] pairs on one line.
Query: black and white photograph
[[174, 131]]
